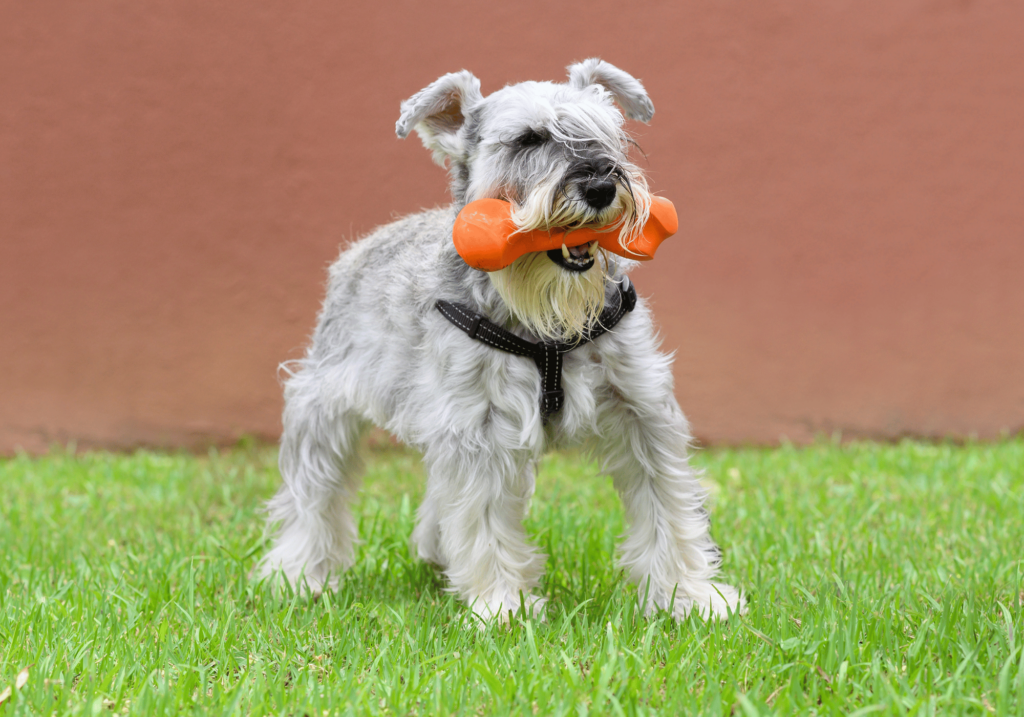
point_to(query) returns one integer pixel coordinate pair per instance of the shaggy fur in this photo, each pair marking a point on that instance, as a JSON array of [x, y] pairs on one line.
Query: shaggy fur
[[382, 354]]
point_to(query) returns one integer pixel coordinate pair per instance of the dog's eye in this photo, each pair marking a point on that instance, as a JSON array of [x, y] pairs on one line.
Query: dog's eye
[[530, 138]]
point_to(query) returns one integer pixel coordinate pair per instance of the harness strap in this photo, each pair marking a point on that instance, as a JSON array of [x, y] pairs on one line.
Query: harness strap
[[546, 354]]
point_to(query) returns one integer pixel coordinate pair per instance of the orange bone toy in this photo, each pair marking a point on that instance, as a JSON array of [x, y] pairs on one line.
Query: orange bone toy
[[486, 238]]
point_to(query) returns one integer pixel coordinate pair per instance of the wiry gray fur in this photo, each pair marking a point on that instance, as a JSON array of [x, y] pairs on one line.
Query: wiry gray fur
[[383, 354]]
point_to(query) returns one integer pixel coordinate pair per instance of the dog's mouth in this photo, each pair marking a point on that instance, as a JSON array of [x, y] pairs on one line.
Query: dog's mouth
[[576, 258]]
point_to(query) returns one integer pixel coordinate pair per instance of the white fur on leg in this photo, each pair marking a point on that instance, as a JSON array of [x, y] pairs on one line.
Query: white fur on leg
[[320, 465], [668, 551], [426, 536], [312, 547], [490, 564]]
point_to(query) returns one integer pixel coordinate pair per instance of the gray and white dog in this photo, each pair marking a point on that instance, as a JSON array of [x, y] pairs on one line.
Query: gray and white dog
[[383, 354]]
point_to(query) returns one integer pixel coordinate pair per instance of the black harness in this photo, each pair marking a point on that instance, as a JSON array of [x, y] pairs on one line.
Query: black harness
[[546, 354]]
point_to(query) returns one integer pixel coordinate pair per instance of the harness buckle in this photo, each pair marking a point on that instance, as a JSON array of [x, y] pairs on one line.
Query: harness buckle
[[555, 399], [629, 297]]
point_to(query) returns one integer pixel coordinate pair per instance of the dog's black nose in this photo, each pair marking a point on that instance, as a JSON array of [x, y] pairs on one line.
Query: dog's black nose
[[599, 193]]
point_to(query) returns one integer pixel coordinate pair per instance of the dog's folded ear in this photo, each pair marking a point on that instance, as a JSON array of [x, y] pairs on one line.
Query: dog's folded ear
[[625, 88], [437, 112]]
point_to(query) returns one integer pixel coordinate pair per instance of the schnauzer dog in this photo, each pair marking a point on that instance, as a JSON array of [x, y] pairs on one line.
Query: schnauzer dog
[[481, 414]]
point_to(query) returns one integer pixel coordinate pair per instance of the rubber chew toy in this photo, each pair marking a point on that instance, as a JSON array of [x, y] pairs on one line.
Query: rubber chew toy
[[486, 237]]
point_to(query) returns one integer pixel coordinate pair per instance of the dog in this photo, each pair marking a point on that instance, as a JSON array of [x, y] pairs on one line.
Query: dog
[[384, 354]]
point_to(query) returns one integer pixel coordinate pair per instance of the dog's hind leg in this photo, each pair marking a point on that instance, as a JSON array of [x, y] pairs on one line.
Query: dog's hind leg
[[426, 537], [321, 467], [480, 497]]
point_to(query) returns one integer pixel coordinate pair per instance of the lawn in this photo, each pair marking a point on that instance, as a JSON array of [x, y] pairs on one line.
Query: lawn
[[884, 579]]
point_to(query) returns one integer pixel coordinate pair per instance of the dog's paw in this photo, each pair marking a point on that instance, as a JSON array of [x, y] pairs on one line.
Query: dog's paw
[[720, 602], [710, 600], [501, 611], [284, 579]]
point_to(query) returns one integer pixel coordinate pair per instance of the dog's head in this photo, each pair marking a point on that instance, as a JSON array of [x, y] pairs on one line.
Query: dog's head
[[558, 154]]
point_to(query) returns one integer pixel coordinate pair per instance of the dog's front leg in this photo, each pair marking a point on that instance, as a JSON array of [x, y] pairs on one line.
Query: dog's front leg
[[668, 551], [644, 437], [479, 496]]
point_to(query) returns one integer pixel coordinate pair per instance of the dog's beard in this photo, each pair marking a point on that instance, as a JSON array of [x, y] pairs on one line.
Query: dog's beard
[[549, 205], [553, 303]]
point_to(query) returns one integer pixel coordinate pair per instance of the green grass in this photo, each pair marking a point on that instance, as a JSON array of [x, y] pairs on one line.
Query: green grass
[[883, 580]]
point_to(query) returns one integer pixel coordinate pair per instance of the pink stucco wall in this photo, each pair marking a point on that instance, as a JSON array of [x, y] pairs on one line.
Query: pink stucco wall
[[176, 176]]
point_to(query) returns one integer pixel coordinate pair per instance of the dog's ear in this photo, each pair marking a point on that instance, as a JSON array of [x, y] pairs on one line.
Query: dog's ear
[[437, 112], [625, 88]]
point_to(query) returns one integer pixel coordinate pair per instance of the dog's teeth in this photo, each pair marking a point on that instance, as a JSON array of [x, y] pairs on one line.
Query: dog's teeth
[[593, 248], [565, 251]]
